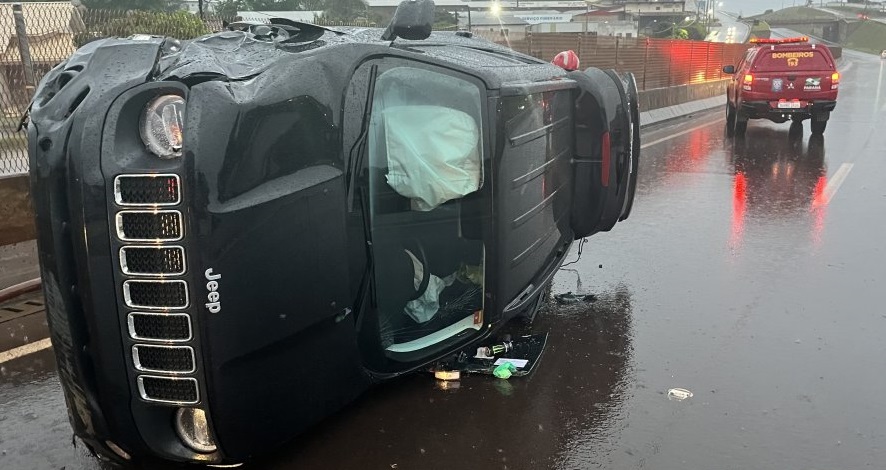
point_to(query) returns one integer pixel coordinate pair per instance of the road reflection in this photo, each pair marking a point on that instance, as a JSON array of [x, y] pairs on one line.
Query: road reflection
[[564, 415], [777, 176]]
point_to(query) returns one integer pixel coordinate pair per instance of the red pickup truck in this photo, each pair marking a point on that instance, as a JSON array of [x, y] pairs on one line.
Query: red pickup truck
[[781, 80]]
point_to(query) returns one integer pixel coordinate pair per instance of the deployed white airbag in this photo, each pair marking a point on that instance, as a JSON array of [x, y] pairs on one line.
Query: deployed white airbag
[[433, 154]]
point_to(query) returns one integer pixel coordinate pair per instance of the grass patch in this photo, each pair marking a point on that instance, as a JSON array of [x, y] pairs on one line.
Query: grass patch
[[869, 37], [794, 14], [872, 11], [761, 30]]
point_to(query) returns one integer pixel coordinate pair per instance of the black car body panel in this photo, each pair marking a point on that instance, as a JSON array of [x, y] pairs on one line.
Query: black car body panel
[[289, 244]]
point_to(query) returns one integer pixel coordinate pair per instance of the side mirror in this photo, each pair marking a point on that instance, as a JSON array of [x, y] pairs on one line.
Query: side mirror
[[413, 20], [730, 69]]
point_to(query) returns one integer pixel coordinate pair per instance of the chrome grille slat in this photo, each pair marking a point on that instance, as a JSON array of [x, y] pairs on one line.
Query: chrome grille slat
[[145, 222], [147, 190], [165, 327], [168, 390], [163, 359], [153, 260], [158, 294], [149, 226]]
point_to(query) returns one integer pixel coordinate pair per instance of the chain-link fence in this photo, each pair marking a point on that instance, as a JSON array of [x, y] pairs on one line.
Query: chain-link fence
[[37, 36]]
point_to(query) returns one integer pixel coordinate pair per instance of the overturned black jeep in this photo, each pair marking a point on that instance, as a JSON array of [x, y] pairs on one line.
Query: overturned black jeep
[[239, 234]]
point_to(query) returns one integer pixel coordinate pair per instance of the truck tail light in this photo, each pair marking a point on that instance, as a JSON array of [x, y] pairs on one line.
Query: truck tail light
[[835, 78], [748, 79]]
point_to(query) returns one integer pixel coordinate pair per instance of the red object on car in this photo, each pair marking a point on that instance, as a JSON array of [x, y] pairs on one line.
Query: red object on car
[[567, 60], [782, 80]]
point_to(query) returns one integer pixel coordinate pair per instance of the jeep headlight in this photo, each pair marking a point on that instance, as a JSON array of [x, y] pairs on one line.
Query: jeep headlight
[[161, 126]]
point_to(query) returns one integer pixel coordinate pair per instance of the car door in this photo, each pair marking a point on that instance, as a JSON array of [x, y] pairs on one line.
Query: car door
[[419, 164]]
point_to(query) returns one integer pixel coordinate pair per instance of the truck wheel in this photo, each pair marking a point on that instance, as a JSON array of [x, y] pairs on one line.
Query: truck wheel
[[818, 127], [796, 129], [730, 119]]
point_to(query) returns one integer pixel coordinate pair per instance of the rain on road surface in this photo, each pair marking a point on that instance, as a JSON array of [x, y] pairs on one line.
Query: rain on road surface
[[750, 273]]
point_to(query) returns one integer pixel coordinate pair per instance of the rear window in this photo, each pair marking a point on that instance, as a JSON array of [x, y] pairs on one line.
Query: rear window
[[787, 60]]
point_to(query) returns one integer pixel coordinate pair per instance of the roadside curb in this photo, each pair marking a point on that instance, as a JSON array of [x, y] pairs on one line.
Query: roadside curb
[[658, 116]]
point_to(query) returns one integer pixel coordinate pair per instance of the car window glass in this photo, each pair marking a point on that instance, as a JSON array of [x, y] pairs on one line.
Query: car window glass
[[425, 154]]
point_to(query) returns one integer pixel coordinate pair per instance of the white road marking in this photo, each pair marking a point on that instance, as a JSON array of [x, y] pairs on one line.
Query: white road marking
[[836, 181], [684, 132], [29, 348]]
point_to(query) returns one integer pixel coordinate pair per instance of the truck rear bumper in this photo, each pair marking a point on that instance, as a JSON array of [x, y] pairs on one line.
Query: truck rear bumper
[[767, 109]]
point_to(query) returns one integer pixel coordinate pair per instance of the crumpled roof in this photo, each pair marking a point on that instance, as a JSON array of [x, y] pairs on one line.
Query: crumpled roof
[[239, 55]]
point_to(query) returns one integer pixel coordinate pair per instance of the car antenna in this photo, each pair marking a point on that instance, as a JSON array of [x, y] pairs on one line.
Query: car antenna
[[413, 20]]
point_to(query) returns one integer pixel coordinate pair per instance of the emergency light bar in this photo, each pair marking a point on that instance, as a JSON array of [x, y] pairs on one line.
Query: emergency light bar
[[796, 40]]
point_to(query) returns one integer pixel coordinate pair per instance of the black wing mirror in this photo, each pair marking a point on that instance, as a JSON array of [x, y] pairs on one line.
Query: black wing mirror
[[730, 69], [413, 20]]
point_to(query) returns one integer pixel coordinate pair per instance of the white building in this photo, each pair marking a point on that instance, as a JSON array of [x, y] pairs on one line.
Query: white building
[[193, 6], [262, 16], [651, 6], [515, 24]]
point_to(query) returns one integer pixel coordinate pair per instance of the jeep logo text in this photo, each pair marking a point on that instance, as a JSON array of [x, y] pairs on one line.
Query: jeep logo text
[[214, 305]]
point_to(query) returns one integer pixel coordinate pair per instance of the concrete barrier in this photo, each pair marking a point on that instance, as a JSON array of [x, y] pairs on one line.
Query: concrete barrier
[[663, 104], [665, 97]]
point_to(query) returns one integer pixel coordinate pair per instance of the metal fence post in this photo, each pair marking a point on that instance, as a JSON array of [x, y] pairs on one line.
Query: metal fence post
[[707, 61], [670, 62], [616, 52], [581, 40], [645, 61], [24, 51], [529, 42]]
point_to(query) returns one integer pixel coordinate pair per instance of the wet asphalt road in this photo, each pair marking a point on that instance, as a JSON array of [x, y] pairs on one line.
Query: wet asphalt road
[[750, 273]]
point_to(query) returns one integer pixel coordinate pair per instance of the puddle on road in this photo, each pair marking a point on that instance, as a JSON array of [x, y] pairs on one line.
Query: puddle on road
[[570, 404]]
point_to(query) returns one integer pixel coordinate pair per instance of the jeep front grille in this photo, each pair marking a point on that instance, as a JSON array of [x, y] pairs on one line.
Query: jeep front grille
[[147, 190], [172, 327], [152, 260], [162, 352], [155, 294], [163, 359], [149, 226], [170, 390]]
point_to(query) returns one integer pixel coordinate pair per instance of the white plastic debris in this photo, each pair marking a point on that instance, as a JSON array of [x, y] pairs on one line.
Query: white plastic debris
[[679, 394]]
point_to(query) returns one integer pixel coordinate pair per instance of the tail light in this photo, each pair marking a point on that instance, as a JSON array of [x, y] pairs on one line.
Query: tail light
[[748, 79], [835, 79]]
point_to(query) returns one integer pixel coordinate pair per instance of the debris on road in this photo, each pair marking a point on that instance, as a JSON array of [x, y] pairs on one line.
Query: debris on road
[[504, 371], [518, 356], [570, 298], [447, 375], [679, 394]]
